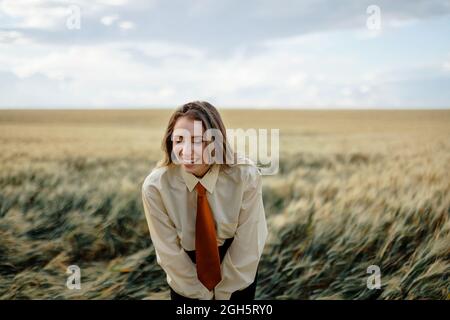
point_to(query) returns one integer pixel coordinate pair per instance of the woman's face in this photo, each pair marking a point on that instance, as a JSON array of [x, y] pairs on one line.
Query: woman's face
[[188, 146]]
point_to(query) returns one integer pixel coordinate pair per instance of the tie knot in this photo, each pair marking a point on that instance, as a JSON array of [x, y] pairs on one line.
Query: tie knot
[[200, 189]]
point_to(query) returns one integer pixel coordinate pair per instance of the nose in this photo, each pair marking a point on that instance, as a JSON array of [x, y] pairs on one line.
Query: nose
[[186, 151]]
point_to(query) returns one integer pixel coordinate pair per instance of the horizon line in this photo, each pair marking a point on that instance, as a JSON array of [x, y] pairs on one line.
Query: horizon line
[[287, 108]]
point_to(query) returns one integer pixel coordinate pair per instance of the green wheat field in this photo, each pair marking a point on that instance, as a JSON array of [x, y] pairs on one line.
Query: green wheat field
[[354, 189]]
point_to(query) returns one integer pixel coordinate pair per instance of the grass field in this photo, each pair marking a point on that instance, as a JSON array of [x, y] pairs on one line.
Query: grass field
[[355, 188]]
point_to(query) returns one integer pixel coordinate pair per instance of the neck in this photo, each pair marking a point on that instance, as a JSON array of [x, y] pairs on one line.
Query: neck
[[203, 173]]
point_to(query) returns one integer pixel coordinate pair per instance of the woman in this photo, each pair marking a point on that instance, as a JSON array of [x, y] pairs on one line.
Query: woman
[[204, 209]]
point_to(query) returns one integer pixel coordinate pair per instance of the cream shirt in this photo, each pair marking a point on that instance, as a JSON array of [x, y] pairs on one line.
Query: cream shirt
[[235, 197]]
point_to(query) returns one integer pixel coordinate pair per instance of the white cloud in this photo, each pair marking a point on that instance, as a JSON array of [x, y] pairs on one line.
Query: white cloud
[[113, 2], [446, 66], [34, 14], [297, 80], [402, 23], [305, 64], [364, 89], [15, 37], [126, 25], [104, 74], [109, 20], [48, 14], [131, 73], [346, 92]]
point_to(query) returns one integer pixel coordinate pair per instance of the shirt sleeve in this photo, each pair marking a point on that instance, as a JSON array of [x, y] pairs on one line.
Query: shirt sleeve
[[180, 270], [241, 261]]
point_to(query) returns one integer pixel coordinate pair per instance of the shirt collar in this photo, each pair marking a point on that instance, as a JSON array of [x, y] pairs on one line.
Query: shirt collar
[[208, 180]]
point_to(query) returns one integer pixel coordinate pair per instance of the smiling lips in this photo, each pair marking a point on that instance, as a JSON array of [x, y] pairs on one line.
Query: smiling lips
[[189, 161]]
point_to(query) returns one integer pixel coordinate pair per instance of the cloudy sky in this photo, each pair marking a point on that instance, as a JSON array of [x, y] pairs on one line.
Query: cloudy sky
[[154, 53]]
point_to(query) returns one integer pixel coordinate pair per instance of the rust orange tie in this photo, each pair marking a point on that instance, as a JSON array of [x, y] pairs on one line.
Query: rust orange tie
[[206, 250]]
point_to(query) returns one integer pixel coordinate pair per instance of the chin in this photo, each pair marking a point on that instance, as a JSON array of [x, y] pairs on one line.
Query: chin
[[189, 168], [193, 168]]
